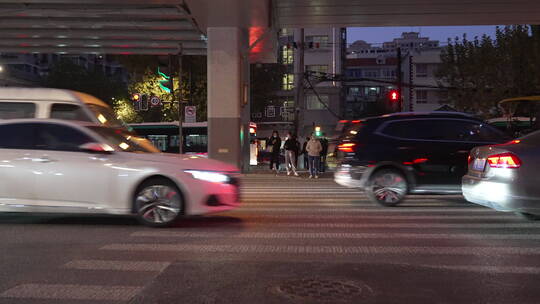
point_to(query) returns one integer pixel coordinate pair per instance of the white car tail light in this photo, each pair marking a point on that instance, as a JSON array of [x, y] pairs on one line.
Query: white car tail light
[[504, 160]]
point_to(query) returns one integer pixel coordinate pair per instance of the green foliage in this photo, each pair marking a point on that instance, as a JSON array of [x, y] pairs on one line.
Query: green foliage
[[145, 80], [482, 71], [66, 74]]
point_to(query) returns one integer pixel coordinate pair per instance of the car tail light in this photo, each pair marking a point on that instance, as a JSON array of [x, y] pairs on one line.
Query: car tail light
[[346, 147], [469, 159], [504, 160]]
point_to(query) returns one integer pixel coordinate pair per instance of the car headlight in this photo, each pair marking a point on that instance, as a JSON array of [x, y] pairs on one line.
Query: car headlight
[[209, 176]]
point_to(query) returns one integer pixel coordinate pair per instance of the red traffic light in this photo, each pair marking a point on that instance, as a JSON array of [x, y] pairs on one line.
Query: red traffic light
[[393, 95], [136, 97]]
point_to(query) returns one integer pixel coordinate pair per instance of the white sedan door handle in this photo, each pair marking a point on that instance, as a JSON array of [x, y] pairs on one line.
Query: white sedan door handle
[[43, 159]]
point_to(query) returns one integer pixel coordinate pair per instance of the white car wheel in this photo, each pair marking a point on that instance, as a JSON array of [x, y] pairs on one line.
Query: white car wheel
[[158, 203]]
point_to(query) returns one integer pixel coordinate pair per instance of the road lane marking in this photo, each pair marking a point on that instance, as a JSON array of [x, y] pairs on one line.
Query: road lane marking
[[374, 209], [117, 265], [398, 225], [352, 203], [333, 235], [253, 216], [334, 250], [72, 292], [487, 269]]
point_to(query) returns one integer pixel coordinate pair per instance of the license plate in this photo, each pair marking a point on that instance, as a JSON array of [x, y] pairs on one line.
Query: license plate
[[479, 164]]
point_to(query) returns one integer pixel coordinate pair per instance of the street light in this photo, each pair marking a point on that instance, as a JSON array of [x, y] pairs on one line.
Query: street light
[[1, 69]]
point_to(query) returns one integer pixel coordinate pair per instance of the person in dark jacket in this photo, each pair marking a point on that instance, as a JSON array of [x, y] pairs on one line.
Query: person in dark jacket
[[274, 145], [291, 149], [305, 154], [324, 152]]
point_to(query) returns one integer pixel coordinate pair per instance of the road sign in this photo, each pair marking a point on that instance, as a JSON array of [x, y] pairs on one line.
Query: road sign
[[155, 101], [190, 112]]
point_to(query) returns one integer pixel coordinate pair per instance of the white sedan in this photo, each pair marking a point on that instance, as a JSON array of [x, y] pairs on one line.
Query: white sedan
[[65, 167]]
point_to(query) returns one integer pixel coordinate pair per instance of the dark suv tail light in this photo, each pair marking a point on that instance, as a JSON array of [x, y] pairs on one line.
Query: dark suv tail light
[[346, 147], [504, 160]]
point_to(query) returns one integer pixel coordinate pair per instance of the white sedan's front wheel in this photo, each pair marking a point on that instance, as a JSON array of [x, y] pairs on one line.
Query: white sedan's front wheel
[[158, 203]]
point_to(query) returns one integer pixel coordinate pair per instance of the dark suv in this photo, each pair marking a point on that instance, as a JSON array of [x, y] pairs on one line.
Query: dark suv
[[392, 155]]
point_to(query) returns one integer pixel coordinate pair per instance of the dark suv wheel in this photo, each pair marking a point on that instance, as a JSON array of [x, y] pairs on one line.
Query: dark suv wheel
[[387, 187]]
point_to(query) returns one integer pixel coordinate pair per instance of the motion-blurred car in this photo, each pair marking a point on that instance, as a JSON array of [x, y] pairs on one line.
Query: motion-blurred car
[[18, 103], [392, 155], [506, 177], [71, 167]]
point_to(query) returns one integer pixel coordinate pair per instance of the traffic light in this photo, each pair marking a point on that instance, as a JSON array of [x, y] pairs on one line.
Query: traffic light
[[136, 99], [318, 131], [393, 95], [144, 102], [165, 74]]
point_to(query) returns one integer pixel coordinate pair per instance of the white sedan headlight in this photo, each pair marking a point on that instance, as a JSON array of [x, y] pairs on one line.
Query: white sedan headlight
[[209, 176]]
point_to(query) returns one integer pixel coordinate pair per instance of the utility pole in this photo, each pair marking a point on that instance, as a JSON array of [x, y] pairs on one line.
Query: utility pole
[[180, 104], [299, 85], [399, 80]]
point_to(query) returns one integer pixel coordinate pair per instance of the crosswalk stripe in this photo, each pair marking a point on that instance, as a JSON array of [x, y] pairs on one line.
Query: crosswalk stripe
[[72, 292], [365, 209], [488, 269], [117, 265], [352, 203], [370, 216], [399, 225], [342, 250], [330, 235]]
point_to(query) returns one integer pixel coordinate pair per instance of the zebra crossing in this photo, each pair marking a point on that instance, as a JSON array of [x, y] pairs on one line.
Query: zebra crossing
[[284, 219]]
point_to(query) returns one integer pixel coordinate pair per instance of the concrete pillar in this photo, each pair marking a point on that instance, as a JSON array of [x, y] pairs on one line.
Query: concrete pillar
[[227, 82]]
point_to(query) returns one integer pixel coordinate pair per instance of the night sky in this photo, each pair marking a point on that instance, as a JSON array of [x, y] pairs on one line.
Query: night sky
[[441, 33]]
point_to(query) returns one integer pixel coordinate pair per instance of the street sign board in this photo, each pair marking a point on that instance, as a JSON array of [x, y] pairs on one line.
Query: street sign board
[[155, 101], [190, 113]]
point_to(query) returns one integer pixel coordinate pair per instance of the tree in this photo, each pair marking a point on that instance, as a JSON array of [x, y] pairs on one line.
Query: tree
[[145, 80], [66, 74], [483, 71]]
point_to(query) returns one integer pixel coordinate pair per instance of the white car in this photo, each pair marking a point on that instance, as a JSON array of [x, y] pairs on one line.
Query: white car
[[75, 167], [19, 103]]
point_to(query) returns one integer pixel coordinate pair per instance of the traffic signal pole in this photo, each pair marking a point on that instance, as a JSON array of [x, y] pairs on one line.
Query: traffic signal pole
[[299, 86], [180, 131]]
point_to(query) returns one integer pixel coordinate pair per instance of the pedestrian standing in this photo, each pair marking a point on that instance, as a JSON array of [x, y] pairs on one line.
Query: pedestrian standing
[[305, 154], [314, 149], [324, 152], [274, 145], [290, 147]]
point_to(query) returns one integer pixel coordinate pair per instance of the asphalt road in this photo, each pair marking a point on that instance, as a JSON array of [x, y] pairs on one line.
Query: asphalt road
[[294, 240]]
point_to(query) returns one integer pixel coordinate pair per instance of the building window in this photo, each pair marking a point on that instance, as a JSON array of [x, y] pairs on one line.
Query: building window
[[287, 56], [371, 73], [285, 32], [354, 91], [321, 39], [421, 96], [389, 73], [313, 103], [372, 91], [318, 68], [288, 82], [421, 70]]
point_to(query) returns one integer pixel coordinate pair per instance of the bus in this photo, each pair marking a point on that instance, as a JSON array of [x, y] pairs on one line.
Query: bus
[[164, 135]]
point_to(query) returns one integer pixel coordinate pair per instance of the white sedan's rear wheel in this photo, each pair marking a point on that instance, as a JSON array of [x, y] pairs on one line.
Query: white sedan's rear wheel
[[158, 203]]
